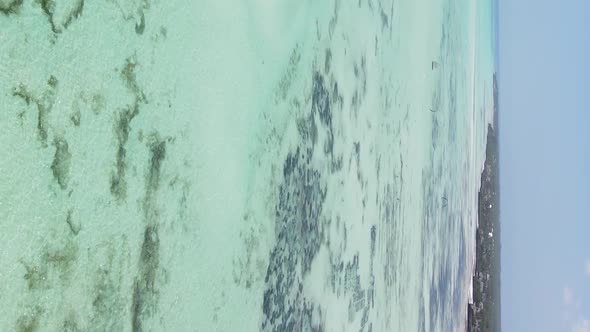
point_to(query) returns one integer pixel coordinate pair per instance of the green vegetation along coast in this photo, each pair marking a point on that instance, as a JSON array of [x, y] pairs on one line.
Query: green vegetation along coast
[[484, 312]]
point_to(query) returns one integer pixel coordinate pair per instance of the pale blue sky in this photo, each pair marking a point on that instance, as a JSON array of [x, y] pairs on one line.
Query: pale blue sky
[[544, 80]]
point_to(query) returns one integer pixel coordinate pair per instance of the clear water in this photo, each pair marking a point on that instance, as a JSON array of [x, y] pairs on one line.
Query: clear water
[[256, 165]]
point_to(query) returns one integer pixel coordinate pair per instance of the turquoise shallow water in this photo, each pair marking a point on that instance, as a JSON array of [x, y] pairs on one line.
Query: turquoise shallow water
[[196, 165]]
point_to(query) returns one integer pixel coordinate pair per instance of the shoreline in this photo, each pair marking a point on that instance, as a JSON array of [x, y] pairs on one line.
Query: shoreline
[[483, 311]]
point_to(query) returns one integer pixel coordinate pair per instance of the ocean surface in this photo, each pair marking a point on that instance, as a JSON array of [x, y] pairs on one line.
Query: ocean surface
[[251, 165]]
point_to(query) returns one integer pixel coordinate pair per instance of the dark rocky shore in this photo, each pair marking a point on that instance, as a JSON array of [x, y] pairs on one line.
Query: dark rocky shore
[[484, 313]]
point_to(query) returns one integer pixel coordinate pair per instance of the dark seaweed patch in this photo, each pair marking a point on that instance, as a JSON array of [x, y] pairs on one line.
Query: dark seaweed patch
[[42, 125], [11, 7], [122, 125], [107, 301], [364, 70], [130, 78], [298, 211], [300, 230], [74, 226], [122, 128], [144, 289], [360, 73], [141, 7], [97, 103], [44, 105], [140, 27], [52, 82], [104, 290], [60, 260], [75, 118], [63, 258], [29, 321], [35, 276], [145, 292], [290, 73], [371, 290], [118, 185], [290, 164], [384, 19], [308, 130], [373, 239], [61, 162], [357, 156], [137, 308], [334, 19], [70, 325], [158, 152], [352, 284], [321, 104], [328, 61], [22, 92], [48, 7], [149, 257], [321, 100], [389, 211]]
